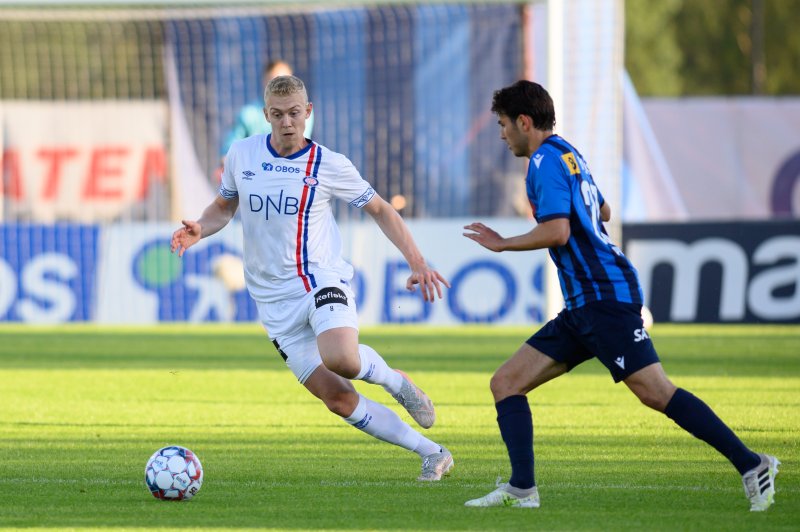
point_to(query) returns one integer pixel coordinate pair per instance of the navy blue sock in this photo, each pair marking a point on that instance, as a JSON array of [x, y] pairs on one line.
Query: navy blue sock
[[695, 417], [516, 428]]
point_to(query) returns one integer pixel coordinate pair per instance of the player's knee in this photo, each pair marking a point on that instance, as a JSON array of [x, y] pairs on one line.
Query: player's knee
[[495, 383], [653, 398], [652, 387], [501, 386], [343, 365], [341, 403], [648, 401]]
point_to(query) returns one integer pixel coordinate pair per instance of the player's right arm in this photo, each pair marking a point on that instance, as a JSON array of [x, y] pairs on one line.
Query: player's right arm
[[214, 217], [548, 189], [549, 234]]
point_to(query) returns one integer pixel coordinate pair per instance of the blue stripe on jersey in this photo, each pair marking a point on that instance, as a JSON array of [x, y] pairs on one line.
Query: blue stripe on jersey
[[316, 164], [305, 237], [634, 293], [582, 272], [593, 262], [589, 265], [569, 285]]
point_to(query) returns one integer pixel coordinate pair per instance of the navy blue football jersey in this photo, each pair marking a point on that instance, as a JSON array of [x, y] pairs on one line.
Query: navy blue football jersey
[[590, 266]]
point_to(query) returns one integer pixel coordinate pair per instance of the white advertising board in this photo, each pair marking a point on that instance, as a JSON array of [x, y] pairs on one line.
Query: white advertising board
[[139, 281], [81, 161]]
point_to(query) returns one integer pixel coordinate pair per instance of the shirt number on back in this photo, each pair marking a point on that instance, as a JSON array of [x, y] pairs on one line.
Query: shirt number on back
[[590, 199]]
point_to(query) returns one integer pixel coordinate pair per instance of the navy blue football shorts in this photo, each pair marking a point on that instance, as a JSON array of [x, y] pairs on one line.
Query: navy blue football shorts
[[609, 330]]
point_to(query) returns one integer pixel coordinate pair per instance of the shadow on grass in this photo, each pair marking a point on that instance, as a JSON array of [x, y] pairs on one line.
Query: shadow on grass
[[467, 349]]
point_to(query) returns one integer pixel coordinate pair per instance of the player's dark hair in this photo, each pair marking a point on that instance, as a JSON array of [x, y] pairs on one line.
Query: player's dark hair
[[526, 98]]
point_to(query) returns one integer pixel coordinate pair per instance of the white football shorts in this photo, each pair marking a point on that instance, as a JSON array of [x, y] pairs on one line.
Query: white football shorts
[[294, 324]]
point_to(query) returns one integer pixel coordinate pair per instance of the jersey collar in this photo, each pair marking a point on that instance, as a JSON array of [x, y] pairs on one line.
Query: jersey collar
[[295, 155]]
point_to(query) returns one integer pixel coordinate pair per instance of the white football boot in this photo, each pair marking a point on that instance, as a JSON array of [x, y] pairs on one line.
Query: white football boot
[[759, 483], [436, 465], [414, 400], [502, 496]]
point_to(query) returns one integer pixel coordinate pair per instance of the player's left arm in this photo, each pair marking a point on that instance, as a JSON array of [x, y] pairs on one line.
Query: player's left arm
[[396, 230], [605, 211]]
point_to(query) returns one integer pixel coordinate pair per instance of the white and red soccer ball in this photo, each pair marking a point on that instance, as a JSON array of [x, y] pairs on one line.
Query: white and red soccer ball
[[173, 473]]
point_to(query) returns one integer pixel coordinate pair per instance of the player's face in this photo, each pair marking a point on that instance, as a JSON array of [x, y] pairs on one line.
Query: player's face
[[287, 115], [510, 132]]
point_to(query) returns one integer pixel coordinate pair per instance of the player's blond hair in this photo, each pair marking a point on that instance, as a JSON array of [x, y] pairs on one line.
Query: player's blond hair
[[285, 86]]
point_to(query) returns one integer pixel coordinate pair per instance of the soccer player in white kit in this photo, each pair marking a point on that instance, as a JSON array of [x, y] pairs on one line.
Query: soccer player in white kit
[[293, 265]]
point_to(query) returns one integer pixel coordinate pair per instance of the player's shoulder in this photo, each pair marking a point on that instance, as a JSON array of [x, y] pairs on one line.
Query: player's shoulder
[[336, 169], [546, 158], [555, 154], [557, 146], [251, 143], [321, 148], [330, 157]]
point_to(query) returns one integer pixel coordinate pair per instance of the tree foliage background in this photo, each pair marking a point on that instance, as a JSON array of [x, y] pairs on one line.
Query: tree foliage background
[[713, 47]]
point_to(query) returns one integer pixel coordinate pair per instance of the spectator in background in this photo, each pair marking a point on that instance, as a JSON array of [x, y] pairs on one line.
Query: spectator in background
[[250, 118]]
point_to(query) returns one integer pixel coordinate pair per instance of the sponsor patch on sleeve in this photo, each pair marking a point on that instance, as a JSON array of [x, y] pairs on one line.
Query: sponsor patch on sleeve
[[329, 296], [227, 193], [363, 198], [572, 164]]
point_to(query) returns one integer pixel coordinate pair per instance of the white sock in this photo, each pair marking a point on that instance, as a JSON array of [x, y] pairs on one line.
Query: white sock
[[427, 447], [382, 423], [375, 370]]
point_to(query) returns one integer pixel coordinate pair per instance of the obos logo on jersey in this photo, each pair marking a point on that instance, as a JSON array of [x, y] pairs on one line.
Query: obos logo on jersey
[[269, 167], [310, 181]]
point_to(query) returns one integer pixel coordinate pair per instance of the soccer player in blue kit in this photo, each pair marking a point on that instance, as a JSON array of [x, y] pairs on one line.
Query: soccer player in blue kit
[[603, 300]]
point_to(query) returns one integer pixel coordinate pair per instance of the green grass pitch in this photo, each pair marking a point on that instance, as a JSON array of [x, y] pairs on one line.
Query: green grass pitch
[[83, 408]]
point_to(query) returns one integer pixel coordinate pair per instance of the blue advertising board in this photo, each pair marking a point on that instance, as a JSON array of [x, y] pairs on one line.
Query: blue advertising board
[[47, 273]]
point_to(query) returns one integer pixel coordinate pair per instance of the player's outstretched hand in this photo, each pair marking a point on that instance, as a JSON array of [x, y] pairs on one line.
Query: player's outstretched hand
[[485, 236], [430, 281], [185, 237]]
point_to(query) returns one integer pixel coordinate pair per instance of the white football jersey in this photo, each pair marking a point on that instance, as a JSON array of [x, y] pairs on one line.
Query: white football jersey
[[292, 244]]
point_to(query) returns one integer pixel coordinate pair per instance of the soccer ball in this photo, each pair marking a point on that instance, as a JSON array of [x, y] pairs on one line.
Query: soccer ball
[[173, 473]]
